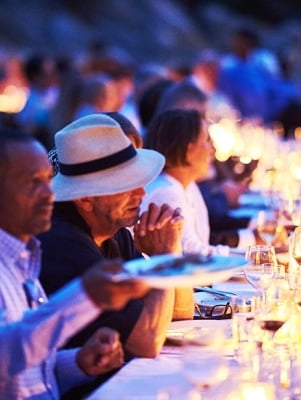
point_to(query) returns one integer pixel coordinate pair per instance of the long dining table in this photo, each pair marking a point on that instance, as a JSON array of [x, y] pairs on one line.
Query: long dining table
[[146, 379], [149, 379]]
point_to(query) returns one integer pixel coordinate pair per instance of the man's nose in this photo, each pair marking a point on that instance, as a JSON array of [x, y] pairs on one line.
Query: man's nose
[[47, 191]]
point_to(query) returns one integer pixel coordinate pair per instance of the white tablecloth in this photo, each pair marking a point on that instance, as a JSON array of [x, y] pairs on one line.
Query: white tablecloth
[[143, 379]]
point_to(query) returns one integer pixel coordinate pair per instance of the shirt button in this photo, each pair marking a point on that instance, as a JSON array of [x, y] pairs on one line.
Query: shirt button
[[24, 254]]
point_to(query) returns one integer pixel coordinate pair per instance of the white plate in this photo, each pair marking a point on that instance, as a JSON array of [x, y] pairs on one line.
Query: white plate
[[159, 272], [179, 329]]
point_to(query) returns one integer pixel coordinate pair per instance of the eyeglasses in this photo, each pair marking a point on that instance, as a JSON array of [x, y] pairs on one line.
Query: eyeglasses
[[218, 311], [34, 294]]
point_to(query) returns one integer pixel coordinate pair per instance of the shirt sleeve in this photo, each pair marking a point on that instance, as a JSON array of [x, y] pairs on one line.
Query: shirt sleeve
[[191, 240], [68, 372], [31, 340]]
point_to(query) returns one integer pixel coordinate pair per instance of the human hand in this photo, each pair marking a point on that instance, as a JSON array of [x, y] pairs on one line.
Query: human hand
[[101, 353], [108, 293], [159, 230]]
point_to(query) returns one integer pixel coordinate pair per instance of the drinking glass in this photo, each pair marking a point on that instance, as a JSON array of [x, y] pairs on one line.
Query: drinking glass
[[260, 269], [273, 314], [296, 245], [291, 213], [204, 364], [260, 276], [261, 253], [268, 225]]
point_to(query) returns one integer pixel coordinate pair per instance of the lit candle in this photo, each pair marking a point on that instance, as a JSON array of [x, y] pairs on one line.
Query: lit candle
[[254, 390]]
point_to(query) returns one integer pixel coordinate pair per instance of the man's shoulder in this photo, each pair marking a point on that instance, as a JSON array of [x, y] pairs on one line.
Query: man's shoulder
[[61, 228], [67, 238]]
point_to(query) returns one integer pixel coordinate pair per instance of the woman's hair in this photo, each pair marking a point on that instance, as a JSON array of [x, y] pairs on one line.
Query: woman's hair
[[171, 131], [150, 98]]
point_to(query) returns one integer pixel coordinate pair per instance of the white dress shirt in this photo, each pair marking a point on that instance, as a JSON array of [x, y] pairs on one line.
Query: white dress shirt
[[167, 189]]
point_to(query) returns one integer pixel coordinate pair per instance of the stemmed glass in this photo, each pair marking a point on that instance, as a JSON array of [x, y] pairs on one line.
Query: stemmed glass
[[296, 245], [268, 225], [261, 253], [295, 268], [291, 214], [204, 364], [260, 269], [273, 314]]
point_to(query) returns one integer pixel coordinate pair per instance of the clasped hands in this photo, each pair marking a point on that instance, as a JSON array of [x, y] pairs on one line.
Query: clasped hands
[[159, 230]]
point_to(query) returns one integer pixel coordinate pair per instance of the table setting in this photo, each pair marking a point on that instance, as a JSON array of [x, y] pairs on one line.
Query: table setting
[[245, 339], [253, 351]]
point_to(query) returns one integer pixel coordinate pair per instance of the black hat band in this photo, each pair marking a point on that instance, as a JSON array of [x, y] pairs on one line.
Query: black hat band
[[100, 164]]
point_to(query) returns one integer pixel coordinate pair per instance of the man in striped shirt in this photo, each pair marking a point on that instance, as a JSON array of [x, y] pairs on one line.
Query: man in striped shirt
[[30, 365]]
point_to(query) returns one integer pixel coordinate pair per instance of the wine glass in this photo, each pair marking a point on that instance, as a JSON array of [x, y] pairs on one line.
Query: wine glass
[[291, 213], [294, 273], [273, 314], [204, 364], [260, 253], [260, 269], [296, 245], [268, 225]]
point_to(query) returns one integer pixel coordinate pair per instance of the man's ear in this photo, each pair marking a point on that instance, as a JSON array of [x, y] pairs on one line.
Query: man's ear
[[84, 204]]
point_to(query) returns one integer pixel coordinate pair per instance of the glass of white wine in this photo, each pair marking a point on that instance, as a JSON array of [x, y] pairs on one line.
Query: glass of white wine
[[294, 273], [260, 269], [268, 225], [258, 254], [296, 245]]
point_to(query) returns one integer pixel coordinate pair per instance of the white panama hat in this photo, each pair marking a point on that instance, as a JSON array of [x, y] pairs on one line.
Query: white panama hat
[[96, 158]]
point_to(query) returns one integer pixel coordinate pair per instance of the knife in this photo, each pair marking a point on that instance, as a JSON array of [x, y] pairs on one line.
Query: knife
[[214, 291]]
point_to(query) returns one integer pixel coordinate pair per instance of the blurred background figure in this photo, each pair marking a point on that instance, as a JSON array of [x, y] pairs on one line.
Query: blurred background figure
[[69, 97], [145, 75], [149, 99], [98, 94], [251, 77], [41, 74], [205, 75], [181, 95]]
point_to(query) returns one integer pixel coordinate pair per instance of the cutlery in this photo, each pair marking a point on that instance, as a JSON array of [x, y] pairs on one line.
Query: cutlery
[[214, 291]]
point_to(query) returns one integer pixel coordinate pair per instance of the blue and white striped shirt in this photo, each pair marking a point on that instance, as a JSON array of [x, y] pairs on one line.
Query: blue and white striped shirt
[[30, 366]]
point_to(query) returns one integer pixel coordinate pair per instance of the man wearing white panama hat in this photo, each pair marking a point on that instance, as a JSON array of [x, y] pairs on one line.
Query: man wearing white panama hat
[[99, 187]]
